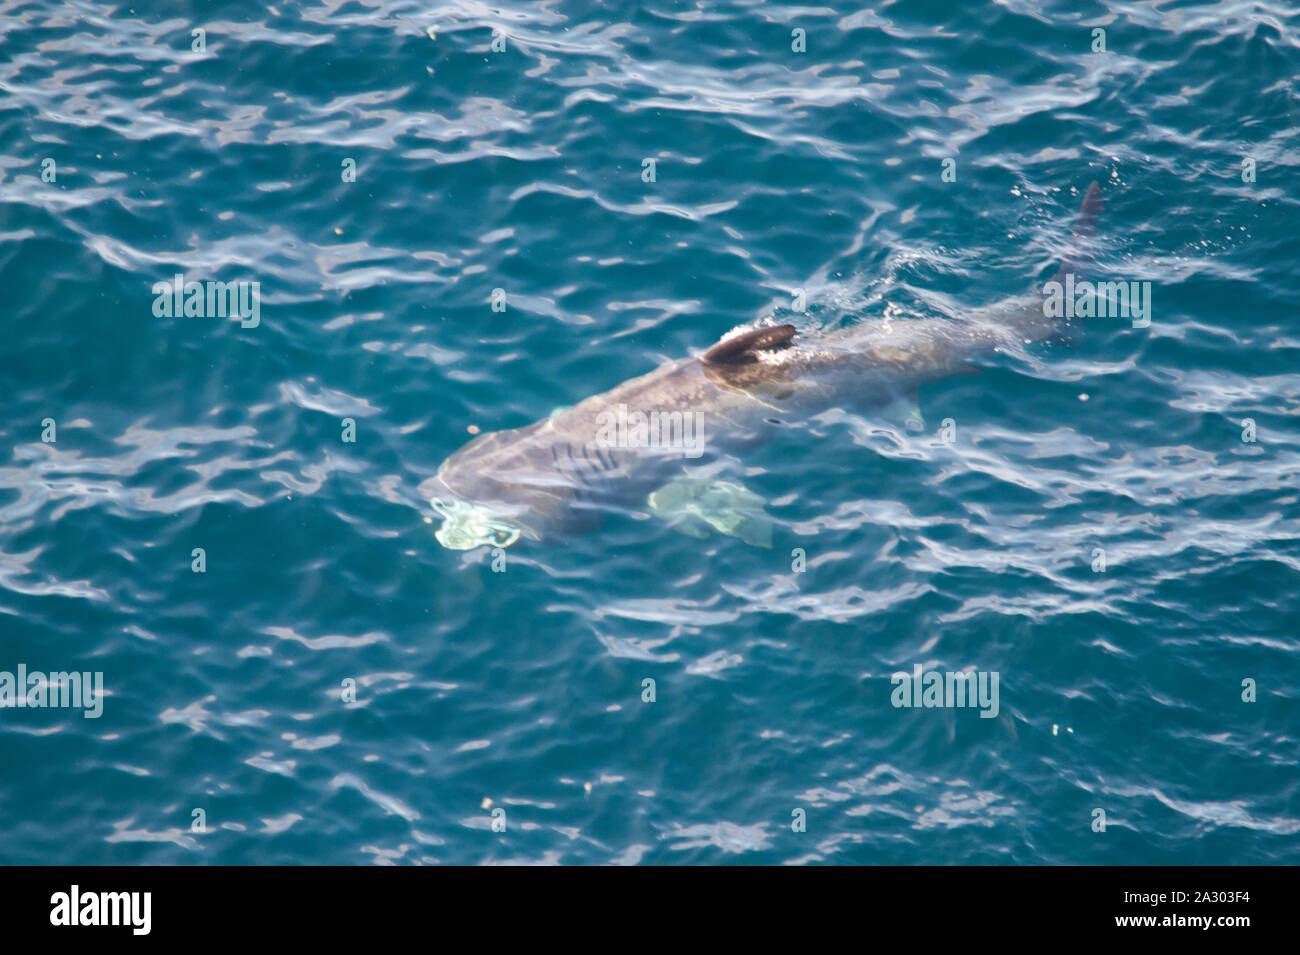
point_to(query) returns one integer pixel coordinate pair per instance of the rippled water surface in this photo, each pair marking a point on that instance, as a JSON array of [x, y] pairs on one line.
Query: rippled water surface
[[522, 169]]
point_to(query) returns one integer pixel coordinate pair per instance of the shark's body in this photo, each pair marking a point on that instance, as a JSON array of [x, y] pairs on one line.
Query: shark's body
[[548, 477]]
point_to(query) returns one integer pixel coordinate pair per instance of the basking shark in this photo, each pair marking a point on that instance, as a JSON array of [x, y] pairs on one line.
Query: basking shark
[[608, 451]]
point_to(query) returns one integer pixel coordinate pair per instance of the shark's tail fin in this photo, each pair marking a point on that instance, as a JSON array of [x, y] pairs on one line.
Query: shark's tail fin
[[1085, 226]]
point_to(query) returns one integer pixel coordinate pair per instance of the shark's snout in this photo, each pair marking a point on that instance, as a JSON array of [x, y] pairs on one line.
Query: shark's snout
[[466, 526]]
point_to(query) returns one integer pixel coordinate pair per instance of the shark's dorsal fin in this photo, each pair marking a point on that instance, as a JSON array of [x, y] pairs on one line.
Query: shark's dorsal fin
[[1084, 227], [740, 349]]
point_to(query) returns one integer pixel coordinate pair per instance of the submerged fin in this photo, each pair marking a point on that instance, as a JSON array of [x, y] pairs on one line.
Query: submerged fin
[[741, 349], [692, 506], [906, 410]]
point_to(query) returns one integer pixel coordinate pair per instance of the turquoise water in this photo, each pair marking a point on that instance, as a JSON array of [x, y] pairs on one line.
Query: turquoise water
[[1120, 690]]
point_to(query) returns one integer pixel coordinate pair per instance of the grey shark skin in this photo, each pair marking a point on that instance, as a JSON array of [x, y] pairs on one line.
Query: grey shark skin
[[550, 477]]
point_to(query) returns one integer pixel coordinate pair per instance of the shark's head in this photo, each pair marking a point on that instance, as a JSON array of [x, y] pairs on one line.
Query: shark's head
[[478, 509]]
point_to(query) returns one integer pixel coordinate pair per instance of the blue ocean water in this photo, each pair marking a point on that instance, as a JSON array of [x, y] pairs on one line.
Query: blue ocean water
[[795, 147]]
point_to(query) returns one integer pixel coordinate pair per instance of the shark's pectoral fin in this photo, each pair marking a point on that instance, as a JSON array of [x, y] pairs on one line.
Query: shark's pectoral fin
[[755, 530], [691, 525], [693, 506]]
